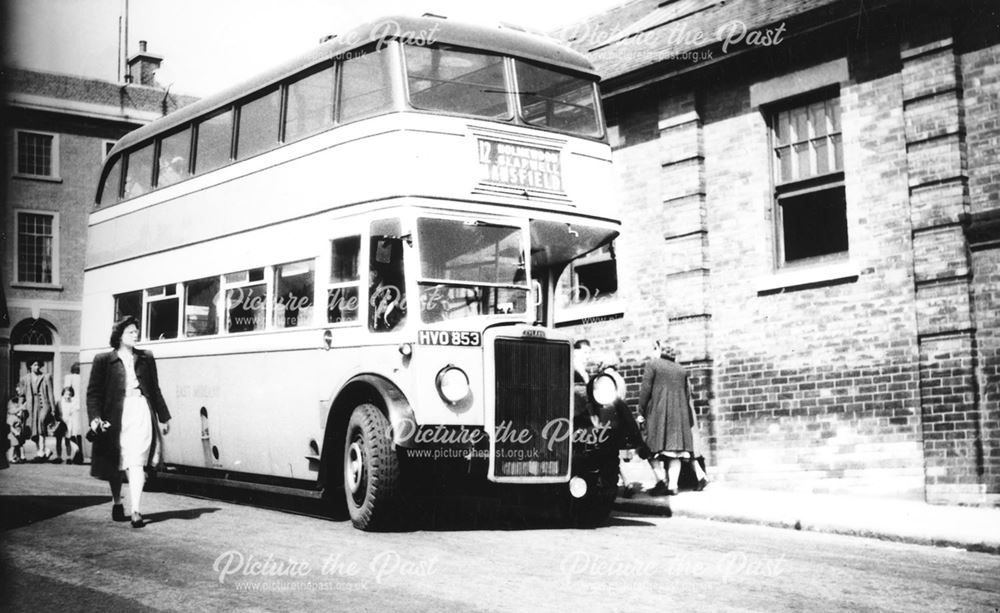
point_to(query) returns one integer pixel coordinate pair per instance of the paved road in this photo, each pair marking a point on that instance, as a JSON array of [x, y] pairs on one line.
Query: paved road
[[62, 552]]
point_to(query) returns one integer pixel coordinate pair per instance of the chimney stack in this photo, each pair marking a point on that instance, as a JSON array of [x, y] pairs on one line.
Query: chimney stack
[[142, 66]]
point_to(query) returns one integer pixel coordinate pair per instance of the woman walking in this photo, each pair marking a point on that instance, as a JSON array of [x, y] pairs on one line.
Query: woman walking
[[666, 404], [124, 404]]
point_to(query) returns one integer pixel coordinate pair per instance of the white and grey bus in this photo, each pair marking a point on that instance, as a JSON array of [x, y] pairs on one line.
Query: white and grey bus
[[350, 262]]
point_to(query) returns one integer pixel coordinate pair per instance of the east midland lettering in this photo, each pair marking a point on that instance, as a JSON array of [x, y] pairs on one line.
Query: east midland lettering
[[451, 339], [520, 166]]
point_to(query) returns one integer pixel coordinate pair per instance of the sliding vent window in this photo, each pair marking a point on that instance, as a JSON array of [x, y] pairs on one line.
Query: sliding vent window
[[310, 105], [162, 311], [246, 301], [259, 123], [214, 142], [558, 101], [452, 81], [293, 294], [342, 293], [201, 313]]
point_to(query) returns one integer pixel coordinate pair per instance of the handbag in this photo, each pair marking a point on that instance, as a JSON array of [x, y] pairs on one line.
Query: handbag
[[99, 436]]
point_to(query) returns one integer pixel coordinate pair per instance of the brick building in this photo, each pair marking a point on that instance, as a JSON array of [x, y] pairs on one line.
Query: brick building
[[56, 130], [811, 198]]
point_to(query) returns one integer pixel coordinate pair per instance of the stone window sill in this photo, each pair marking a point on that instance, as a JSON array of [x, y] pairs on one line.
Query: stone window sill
[[44, 178], [807, 277], [49, 286]]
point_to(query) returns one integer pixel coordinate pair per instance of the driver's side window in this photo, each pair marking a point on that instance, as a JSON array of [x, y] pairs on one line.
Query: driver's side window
[[386, 277]]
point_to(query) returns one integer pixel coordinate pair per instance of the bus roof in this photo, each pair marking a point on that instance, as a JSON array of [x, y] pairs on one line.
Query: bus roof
[[503, 39]]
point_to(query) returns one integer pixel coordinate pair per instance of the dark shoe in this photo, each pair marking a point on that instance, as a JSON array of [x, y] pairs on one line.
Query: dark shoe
[[137, 520], [659, 489], [56, 460], [118, 512], [37, 460], [631, 489], [701, 485]]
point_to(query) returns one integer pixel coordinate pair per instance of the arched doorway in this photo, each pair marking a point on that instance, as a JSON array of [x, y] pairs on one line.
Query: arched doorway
[[33, 339]]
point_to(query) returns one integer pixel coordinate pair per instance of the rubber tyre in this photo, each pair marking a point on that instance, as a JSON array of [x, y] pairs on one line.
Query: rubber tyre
[[371, 470]]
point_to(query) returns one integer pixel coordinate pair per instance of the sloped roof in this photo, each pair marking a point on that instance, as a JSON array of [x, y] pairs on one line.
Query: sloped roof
[[18, 81], [642, 33]]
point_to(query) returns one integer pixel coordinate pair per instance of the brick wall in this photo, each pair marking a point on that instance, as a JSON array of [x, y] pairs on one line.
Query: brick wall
[[979, 64], [858, 380]]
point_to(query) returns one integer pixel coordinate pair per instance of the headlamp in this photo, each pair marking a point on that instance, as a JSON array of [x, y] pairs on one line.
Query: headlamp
[[604, 389], [452, 384]]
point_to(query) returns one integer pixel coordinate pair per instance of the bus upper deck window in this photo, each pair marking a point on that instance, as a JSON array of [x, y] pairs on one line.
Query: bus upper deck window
[[175, 151], [310, 104], [111, 189], [214, 142], [442, 79], [365, 87], [139, 172], [258, 125], [555, 100]]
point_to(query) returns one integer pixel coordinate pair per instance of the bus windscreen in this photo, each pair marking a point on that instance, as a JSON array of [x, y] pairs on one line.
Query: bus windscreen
[[470, 268]]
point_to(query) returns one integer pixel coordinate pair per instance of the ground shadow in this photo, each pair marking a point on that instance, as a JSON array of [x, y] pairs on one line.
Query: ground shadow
[[461, 514], [20, 511], [456, 513], [186, 514]]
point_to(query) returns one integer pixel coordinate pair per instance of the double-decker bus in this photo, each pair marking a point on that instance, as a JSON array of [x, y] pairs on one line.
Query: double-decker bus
[[348, 266]]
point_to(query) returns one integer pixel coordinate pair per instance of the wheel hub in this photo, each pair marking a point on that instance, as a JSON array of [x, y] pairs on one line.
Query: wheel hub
[[355, 467]]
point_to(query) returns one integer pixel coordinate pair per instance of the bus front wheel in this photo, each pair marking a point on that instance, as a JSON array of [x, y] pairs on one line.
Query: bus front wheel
[[371, 469]]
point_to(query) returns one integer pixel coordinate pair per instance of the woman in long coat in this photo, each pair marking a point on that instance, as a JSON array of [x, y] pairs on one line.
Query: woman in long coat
[[123, 404], [39, 402], [666, 405]]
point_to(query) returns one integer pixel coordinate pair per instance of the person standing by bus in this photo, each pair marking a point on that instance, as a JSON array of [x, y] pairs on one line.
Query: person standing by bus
[[123, 404], [667, 406], [40, 402]]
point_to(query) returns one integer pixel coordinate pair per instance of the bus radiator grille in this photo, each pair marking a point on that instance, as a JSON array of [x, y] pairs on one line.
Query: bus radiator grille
[[532, 392]]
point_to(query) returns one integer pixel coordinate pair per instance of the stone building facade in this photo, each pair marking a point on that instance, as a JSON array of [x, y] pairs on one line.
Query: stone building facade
[[811, 204], [57, 130]]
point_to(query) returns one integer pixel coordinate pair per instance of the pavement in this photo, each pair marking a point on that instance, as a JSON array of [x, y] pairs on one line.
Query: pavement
[[892, 519]]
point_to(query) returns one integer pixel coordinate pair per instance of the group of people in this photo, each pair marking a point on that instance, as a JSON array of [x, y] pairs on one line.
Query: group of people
[[666, 417], [127, 416], [34, 414]]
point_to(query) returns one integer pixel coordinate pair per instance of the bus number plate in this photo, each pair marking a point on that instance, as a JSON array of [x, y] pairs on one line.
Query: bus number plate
[[450, 339]]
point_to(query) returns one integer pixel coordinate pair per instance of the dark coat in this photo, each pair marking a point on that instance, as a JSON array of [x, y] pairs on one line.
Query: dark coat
[[40, 402], [665, 402], [106, 398]]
